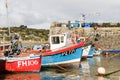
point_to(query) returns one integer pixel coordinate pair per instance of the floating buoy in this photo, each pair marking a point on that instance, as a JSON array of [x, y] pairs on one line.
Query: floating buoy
[[106, 54], [101, 71]]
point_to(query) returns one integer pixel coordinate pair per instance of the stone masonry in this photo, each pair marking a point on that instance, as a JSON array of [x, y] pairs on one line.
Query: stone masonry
[[107, 38]]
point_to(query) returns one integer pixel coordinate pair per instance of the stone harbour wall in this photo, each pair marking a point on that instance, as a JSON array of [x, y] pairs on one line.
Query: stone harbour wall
[[106, 38]]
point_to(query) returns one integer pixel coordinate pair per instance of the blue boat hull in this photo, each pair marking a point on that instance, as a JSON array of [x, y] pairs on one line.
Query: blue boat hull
[[67, 57]]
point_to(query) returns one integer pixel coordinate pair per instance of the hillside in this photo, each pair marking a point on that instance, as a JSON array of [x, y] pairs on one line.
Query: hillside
[[27, 34]]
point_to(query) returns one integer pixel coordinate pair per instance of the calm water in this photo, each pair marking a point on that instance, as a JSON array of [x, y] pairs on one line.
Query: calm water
[[87, 71]]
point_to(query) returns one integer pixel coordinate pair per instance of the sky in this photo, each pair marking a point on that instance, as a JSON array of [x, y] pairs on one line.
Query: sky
[[41, 13]]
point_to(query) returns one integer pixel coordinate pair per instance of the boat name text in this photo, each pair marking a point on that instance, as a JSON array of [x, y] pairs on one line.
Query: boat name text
[[27, 63], [68, 52]]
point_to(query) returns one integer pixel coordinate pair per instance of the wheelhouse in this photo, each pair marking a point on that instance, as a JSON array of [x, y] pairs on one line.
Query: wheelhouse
[[57, 41]]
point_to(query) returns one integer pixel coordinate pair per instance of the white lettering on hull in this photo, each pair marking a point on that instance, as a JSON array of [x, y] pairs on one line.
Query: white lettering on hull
[[27, 63], [68, 52]]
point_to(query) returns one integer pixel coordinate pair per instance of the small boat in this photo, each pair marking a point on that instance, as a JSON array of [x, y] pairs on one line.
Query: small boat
[[107, 53], [30, 63], [112, 51], [61, 54], [14, 60]]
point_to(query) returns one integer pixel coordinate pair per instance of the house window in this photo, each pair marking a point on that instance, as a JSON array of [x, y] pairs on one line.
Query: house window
[[55, 40]]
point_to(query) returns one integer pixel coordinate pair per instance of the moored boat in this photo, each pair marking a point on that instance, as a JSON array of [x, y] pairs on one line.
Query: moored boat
[[64, 56], [64, 51], [20, 64]]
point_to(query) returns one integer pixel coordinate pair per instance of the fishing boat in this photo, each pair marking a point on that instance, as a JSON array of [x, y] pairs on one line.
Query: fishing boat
[[14, 60], [30, 63], [60, 54]]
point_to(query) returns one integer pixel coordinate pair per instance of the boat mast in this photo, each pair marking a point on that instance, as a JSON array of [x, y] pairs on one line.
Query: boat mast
[[7, 15]]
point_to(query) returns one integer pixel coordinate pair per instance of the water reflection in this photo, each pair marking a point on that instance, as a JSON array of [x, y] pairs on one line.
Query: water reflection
[[87, 64], [87, 68], [58, 73], [20, 76]]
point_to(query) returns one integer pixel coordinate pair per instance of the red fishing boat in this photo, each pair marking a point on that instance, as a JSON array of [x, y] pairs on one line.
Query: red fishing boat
[[20, 64]]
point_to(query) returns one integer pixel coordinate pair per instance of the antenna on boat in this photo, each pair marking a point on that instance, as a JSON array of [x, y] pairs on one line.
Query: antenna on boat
[[6, 3]]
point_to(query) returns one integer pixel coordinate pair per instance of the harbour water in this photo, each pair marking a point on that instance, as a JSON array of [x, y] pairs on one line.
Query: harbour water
[[87, 71]]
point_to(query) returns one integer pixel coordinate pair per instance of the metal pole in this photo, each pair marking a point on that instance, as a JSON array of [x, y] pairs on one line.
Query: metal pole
[[7, 15]]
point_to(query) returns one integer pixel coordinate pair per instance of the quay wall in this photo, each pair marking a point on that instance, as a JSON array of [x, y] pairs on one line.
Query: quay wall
[[106, 38]]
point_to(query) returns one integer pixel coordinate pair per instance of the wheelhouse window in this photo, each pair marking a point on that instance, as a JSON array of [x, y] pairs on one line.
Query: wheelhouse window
[[55, 40]]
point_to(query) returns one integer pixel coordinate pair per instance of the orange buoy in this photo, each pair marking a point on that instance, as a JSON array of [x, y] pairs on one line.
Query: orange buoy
[[106, 54]]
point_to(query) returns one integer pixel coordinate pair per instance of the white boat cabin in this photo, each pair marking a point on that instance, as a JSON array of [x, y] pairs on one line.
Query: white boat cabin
[[57, 41]]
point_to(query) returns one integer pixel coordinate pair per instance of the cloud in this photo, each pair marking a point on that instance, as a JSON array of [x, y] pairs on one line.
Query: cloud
[[40, 13]]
